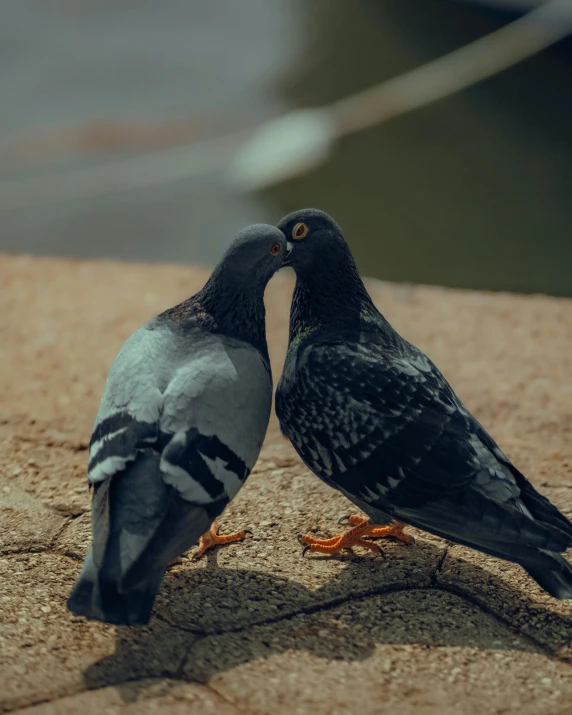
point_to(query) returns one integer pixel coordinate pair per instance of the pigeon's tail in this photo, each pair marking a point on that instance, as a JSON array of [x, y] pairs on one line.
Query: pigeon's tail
[[126, 511], [553, 573], [140, 524], [471, 519], [99, 599]]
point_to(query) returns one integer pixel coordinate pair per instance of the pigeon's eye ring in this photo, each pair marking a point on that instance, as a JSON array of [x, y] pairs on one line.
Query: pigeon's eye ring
[[275, 250], [299, 231]]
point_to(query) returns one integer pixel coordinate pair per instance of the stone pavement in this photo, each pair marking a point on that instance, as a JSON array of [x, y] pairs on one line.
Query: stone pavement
[[255, 628]]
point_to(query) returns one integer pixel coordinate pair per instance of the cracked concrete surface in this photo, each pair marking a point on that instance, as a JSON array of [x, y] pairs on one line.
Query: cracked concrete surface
[[255, 628]]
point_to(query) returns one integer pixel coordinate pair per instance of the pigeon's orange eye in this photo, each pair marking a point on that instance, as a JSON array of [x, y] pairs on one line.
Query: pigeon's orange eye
[[299, 231], [275, 250]]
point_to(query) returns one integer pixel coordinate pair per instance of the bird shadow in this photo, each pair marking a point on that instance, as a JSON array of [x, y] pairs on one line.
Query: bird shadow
[[213, 619]]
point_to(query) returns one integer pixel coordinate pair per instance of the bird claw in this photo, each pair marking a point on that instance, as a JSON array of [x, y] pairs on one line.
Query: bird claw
[[212, 538], [307, 547], [356, 536], [346, 517]]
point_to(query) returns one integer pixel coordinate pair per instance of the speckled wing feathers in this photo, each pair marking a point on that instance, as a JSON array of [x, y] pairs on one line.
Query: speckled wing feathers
[[354, 401], [382, 424]]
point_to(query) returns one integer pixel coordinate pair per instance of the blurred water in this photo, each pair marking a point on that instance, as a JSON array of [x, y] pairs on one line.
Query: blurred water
[[474, 191], [68, 63]]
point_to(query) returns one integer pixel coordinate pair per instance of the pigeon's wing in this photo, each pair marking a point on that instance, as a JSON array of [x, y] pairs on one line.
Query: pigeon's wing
[[216, 410], [538, 505], [126, 435], [341, 402], [189, 418], [384, 426], [214, 418]]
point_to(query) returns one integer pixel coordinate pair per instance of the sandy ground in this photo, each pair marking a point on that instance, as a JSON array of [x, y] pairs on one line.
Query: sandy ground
[[255, 628]]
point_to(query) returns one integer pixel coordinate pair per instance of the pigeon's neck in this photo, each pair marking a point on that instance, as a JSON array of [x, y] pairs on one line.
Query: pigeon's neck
[[330, 299], [236, 309], [226, 307]]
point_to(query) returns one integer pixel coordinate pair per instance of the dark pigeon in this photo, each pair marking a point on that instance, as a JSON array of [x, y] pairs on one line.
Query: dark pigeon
[[181, 422], [373, 417]]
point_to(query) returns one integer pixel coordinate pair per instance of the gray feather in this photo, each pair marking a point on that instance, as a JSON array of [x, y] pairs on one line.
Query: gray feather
[[180, 426]]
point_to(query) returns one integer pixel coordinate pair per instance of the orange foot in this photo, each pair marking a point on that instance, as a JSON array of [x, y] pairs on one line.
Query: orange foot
[[362, 527], [211, 538]]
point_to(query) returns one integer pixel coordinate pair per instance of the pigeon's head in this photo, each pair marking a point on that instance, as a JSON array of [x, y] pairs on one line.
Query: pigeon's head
[[256, 253], [329, 290], [316, 240]]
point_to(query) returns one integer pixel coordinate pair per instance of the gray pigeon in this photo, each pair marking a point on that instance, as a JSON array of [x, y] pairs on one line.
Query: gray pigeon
[[180, 426], [373, 417]]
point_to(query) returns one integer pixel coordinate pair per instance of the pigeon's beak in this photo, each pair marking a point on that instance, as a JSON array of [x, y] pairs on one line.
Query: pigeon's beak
[[286, 262]]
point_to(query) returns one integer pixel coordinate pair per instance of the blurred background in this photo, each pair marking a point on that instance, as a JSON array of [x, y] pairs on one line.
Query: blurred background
[[100, 102]]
